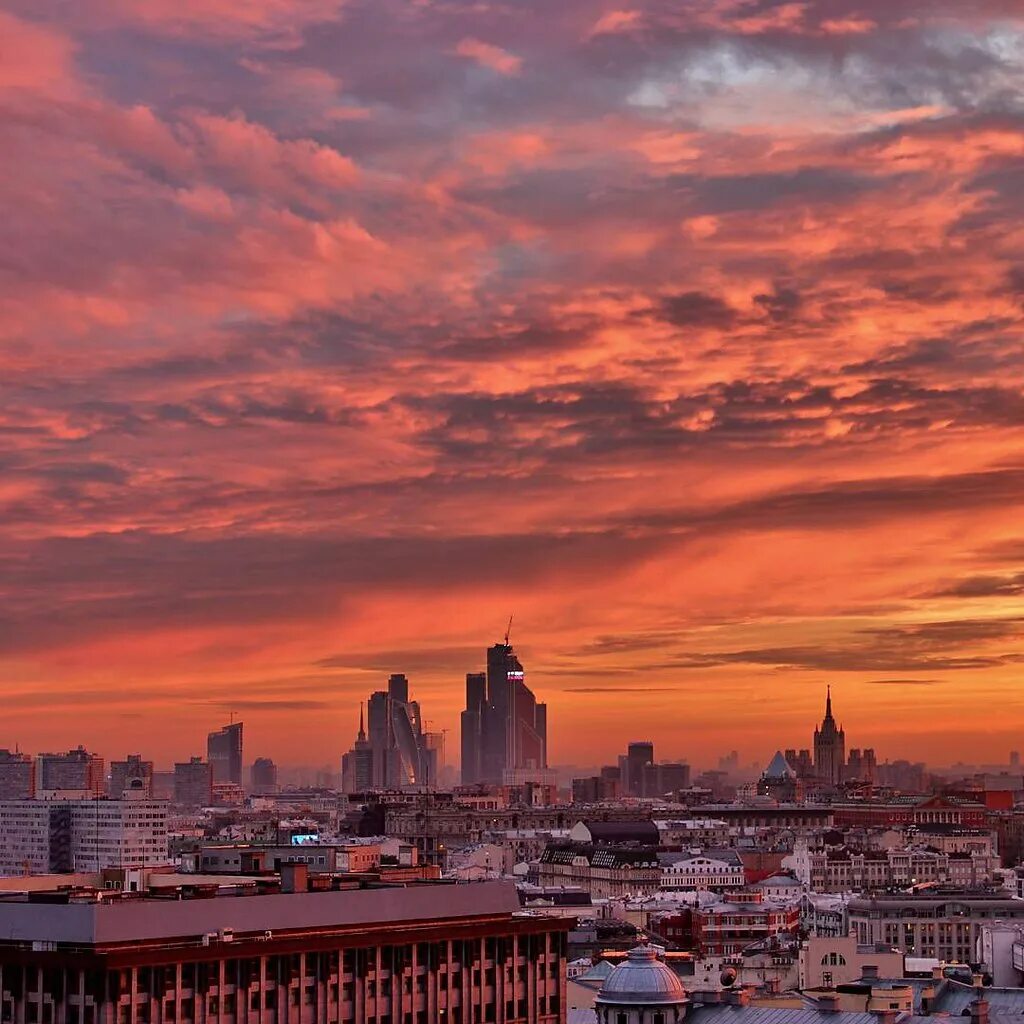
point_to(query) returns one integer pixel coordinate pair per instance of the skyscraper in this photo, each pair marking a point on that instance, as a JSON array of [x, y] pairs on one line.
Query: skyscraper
[[471, 723], [224, 752], [829, 747], [394, 751], [357, 764], [504, 730]]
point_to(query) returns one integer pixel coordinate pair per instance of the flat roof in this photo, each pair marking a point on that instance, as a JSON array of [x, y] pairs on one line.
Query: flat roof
[[147, 920]]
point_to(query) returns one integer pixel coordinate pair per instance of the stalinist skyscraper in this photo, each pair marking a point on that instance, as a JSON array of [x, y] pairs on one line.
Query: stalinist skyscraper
[[829, 747]]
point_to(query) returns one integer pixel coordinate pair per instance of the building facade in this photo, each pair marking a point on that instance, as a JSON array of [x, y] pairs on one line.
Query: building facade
[[77, 771], [17, 776], [193, 783], [460, 954], [43, 836], [942, 924]]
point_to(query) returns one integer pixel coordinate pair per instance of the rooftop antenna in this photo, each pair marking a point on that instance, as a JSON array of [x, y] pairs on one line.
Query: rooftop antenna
[[508, 629]]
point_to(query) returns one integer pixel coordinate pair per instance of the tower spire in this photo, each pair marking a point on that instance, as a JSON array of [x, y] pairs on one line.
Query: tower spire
[[362, 731], [828, 701]]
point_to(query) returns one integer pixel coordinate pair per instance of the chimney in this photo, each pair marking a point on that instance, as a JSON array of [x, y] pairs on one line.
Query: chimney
[[294, 878], [887, 1016], [738, 996], [937, 974], [977, 981], [829, 1002], [979, 1011], [869, 972]]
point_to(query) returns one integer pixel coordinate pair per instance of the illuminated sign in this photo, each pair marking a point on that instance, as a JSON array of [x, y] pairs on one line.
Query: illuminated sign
[[516, 677], [306, 839]]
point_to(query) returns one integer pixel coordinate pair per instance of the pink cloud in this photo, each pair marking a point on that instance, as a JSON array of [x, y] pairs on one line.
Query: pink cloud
[[489, 56]]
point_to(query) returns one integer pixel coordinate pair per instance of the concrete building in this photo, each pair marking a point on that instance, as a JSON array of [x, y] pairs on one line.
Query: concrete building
[[77, 771], [224, 752], [459, 954], [41, 836], [132, 773], [829, 962], [193, 783], [17, 776], [945, 924]]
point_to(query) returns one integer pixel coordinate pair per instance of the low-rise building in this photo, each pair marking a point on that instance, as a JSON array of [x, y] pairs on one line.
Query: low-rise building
[[602, 871], [941, 923], [718, 870]]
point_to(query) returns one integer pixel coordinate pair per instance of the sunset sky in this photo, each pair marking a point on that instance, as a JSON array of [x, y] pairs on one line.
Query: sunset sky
[[691, 332]]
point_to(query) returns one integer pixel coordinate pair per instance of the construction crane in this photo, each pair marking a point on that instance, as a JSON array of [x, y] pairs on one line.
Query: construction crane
[[508, 629]]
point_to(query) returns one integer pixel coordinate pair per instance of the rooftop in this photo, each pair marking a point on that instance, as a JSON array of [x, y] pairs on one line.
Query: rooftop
[[153, 919]]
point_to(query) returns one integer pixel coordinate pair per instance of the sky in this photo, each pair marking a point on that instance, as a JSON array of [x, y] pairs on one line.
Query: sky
[[335, 332]]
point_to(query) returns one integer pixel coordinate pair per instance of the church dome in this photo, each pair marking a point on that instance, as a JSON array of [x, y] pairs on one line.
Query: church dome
[[642, 980]]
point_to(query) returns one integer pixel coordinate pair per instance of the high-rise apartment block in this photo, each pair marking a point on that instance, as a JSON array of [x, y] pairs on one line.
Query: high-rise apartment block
[[504, 728], [77, 771], [224, 752], [17, 776], [74, 835], [193, 783], [132, 774]]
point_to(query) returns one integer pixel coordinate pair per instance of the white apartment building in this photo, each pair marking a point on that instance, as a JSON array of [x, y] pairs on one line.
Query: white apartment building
[[718, 870], [58, 835]]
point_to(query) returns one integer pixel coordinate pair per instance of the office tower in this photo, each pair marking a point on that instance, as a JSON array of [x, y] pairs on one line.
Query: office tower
[[17, 776], [62, 835], [193, 783], [394, 750], [263, 776], [224, 752], [132, 773], [76, 771], [471, 722], [357, 764], [638, 755], [829, 747], [1014, 758], [505, 732]]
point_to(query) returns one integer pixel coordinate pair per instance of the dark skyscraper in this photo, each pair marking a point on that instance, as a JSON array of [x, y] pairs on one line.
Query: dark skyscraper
[[829, 747], [638, 755], [472, 727], [224, 752], [504, 729], [394, 751], [357, 764]]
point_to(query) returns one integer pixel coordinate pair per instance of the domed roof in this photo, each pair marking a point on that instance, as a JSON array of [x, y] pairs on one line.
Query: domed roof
[[642, 980]]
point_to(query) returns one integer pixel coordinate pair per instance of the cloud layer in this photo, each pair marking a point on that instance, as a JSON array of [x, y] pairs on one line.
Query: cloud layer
[[335, 331]]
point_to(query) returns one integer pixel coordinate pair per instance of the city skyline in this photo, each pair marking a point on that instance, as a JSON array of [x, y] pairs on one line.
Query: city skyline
[[332, 332]]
